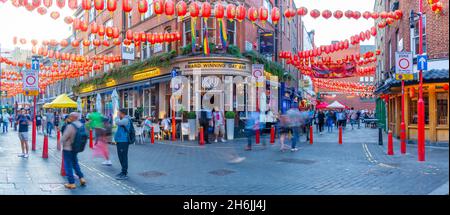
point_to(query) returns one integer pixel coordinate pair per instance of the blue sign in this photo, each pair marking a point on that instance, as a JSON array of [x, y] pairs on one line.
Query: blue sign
[[422, 62], [35, 63], [174, 73]]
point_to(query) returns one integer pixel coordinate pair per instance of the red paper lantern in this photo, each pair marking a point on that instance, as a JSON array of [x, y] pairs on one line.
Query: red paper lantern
[[194, 10], [315, 13], [326, 14], [136, 37], [348, 14], [105, 43], [109, 32], [127, 5], [75, 43], [374, 15], [181, 9], [96, 42], [373, 31], [42, 10], [142, 6], [48, 3], [356, 15], [206, 10], [445, 87], [83, 26], [275, 15], [219, 11], [263, 14], [86, 43], [94, 28], [99, 4], [383, 15], [61, 3], [338, 14], [64, 43], [143, 36], [129, 35], [169, 8], [389, 21], [115, 32], [366, 15], [85, 4], [111, 5], [302, 11], [398, 14], [36, 3], [382, 24], [252, 14], [412, 92], [240, 13], [101, 30]]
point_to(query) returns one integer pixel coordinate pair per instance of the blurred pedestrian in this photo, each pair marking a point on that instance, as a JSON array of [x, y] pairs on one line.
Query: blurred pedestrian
[[251, 125], [121, 137], [205, 122], [38, 122], [50, 119], [23, 120], [101, 143], [330, 121], [284, 131], [219, 124], [321, 120], [5, 121]]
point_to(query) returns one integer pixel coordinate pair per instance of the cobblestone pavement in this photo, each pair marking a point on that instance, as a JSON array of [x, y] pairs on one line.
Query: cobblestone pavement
[[358, 166]]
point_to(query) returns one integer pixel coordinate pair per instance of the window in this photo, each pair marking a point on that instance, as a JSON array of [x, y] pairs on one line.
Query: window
[[415, 38], [187, 37], [211, 30], [130, 15], [413, 110], [149, 11], [231, 32], [91, 38], [268, 5], [145, 51], [442, 108]]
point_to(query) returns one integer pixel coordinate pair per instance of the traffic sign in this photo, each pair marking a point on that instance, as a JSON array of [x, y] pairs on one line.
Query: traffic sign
[[258, 73], [403, 66], [422, 62], [35, 63]]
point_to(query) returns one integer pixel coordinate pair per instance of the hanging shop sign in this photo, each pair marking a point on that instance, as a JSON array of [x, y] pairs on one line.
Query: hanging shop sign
[[215, 65], [145, 74], [111, 83], [87, 89], [128, 52]]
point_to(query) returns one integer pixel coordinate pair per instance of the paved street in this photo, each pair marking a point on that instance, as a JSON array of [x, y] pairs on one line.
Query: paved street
[[359, 166]]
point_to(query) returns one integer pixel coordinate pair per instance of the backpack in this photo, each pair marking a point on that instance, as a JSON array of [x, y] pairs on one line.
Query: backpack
[[131, 133], [80, 140]]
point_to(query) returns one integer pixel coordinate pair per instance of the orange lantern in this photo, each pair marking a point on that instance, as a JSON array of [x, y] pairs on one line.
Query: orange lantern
[[99, 4], [85, 4], [136, 37], [142, 6], [181, 9], [83, 26], [412, 92], [240, 13], [94, 28], [105, 43], [275, 15], [231, 12], [158, 7], [75, 43], [86, 42], [127, 5], [96, 42], [109, 32], [111, 5], [169, 8], [143, 36], [445, 87], [252, 14], [115, 32], [219, 11], [101, 30], [68, 20], [129, 35]]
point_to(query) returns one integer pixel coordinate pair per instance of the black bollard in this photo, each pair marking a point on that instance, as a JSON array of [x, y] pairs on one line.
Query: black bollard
[[380, 136]]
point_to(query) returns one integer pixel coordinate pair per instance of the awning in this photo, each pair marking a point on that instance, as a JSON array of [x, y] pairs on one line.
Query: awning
[[336, 105], [62, 101]]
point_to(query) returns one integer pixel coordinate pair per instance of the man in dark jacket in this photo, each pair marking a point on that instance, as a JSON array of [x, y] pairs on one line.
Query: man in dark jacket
[[205, 119]]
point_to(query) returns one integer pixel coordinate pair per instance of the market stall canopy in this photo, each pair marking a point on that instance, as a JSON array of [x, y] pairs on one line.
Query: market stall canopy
[[336, 105], [62, 101], [322, 105]]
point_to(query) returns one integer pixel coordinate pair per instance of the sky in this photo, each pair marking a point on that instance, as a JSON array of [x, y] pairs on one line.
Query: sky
[[331, 29], [31, 25]]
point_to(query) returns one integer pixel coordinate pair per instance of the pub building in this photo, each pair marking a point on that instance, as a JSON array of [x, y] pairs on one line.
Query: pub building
[[436, 100]]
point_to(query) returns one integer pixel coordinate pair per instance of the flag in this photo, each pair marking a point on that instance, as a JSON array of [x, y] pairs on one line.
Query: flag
[[205, 37], [193, 36], [223, 33]]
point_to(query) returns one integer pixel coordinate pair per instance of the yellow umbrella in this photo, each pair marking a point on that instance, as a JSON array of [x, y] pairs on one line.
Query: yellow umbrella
[[62, 101], [46, 105]]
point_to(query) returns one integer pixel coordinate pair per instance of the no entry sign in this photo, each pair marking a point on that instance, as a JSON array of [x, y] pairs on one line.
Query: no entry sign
[[403, 66], [258, 73]]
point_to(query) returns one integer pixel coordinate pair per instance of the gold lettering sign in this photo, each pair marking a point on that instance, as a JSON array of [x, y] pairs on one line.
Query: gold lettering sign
[[216, 65], [148, 73], [87, 89], [111, 83]]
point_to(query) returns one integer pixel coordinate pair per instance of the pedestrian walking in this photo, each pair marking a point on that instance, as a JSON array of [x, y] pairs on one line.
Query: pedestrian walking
[[296, 120], [330, 121], [5, 121], [73, 136], [219, 125], [284, 131], [205, 121], [101, 144], [321, 120], [23, 120], [50, 119], [38, 122], [123, 140], [353, 117], [56, 120], [251, 125]]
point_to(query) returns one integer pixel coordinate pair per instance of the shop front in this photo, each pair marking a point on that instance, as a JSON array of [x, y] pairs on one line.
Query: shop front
[[436, 100]]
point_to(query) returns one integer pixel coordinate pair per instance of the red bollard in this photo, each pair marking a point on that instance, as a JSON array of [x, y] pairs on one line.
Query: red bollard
[[311, 136], [257, 136], [152, 135], [403, 138], [390, 144], [45, 147], [340, 135], [202, 138], [91, 141], [58, 140], [272, 135], [63, 170]]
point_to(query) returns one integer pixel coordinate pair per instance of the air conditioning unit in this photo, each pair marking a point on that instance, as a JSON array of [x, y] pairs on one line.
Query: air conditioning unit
[[395, 6]]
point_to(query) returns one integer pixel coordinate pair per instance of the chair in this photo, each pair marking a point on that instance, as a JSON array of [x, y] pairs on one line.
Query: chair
[[139, 132]]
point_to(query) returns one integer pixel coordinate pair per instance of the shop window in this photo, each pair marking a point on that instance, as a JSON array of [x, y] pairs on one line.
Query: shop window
[[442, 108], [231, 32], [187, 36], [413, 117], [415, 38]]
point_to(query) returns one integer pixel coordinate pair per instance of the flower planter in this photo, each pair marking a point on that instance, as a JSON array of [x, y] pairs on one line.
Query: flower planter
[[230, 129]]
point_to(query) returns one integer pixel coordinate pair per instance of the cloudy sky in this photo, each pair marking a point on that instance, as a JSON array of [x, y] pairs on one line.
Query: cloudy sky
[[31, 25], [333, 29]]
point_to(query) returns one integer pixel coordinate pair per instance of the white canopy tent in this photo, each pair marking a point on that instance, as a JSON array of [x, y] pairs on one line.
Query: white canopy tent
[[336, 105]]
